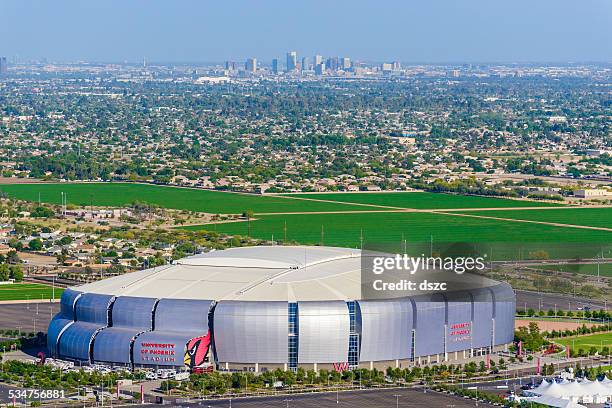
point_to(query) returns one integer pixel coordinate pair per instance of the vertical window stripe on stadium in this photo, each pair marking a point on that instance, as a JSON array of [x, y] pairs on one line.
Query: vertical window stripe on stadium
[[293, 336], [354, 330]]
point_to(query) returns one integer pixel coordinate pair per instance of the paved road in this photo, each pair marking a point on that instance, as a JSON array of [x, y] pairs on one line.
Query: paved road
[[546, 301], [412, 398], [27, 315]]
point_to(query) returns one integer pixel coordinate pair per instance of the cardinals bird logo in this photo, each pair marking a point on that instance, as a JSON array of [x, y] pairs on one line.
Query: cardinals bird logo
[[197, 351]]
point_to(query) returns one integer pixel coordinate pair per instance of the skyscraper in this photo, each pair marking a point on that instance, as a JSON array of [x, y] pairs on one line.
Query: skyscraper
[[251, 65], [291, 61], [305, 64], [318, 59], [332, 63], [345, 63], [320, 68], [275, 66], [3, 65]]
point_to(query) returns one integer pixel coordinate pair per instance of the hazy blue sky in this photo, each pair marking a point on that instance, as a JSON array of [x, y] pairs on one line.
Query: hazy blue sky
[[407, 30]]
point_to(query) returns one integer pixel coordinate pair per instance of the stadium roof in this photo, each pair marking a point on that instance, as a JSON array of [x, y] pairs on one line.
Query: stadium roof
[[259, 273], [271, 273]]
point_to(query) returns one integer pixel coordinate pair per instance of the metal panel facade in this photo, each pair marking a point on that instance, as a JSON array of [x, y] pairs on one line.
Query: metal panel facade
[[386, 330], [93, 308], [252, 332], [130, 316], [69, 297], [113, 345], [168, 348], [323, 332], [134, 312], [91, 315], [482, 334], [60, 321], [74, 342], [182, 314], [430, 317], [54, 331], [176, 322], [459, 321], [505, 309]]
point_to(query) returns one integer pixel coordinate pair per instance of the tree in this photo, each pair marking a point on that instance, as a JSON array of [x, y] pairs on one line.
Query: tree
[[35, 244], [16, 273], [65, 241], [4, 272], [42, 212], [12, 258]]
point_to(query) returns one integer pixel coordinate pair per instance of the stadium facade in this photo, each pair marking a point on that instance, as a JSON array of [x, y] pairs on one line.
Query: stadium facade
[[262, 308]]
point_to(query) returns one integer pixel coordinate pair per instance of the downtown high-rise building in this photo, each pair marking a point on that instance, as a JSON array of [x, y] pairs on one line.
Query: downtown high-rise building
[[3, 65], [251, 65], [344, 63], [291, 61], [318, 59], [275, 66], [319, 68], [332, 63], [305, 64]]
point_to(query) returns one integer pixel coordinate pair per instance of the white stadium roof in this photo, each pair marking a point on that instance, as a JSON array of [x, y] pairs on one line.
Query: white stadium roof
[[272, 273], [259, 273]]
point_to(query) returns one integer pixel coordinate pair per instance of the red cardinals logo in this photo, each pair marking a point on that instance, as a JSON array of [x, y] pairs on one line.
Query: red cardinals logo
[[197, 351]]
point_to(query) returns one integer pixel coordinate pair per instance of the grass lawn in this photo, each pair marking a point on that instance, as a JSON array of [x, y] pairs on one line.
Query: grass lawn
[[605, 269], [421, 200], [120, 194], [28, 291], [598, 340], [593, 217], [346, 229]]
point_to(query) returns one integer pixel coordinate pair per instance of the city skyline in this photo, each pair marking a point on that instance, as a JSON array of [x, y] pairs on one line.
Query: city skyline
[[436, 32]]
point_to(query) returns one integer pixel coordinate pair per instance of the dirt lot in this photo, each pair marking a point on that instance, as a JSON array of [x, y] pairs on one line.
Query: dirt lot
[[15, 180], [550, 324]]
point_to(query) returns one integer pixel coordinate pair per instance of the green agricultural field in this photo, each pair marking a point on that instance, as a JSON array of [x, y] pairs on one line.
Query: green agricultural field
[[347, 229], [120, 194], [605, 269], [592, 217], [421, 200], [586, 342], [28, 291]]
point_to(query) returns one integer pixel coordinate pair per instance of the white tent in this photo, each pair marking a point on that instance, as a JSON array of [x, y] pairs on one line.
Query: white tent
[[573, 391], [556, 402], [554, 390], [543, 385], [585, 391]]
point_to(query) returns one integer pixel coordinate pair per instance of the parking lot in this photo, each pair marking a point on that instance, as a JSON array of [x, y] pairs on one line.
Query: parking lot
[[28, 317], [394, 397]]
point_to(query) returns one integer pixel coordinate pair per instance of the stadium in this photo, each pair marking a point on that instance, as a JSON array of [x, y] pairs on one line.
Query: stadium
[[268, 307]]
